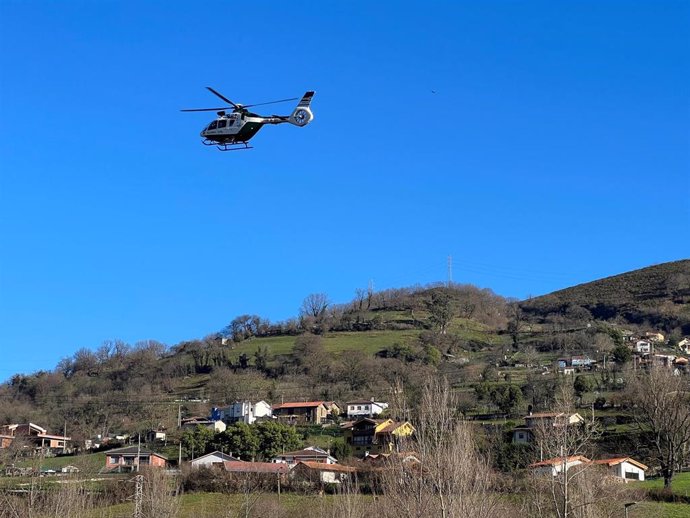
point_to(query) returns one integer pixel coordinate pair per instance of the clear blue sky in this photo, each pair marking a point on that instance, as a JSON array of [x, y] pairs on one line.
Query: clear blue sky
[[540, 144]]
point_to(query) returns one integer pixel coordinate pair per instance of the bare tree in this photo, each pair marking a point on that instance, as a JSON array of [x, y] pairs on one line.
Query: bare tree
[[314, 305], [449, 477], [159, 495], [661, 409], [576, 487]]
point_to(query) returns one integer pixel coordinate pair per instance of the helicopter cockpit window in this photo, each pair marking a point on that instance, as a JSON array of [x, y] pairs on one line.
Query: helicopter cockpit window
[[213, 125], [221, 123]]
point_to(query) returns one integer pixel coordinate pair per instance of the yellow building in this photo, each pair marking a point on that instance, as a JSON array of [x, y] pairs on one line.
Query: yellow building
[[374, 436]]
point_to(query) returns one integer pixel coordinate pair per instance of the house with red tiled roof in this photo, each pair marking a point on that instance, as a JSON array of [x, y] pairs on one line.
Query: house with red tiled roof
[[295, 412], [626, 468]]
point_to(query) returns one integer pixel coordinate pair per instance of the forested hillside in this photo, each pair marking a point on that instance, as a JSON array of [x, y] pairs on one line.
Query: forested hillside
[[365, 348]]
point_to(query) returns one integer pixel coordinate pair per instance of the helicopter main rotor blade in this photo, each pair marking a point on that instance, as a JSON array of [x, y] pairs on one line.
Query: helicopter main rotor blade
[[221, 96], [272, 102], [207, 109]]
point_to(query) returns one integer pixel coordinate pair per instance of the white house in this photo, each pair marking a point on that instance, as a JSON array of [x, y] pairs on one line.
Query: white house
[[208, 460], [525, 434], [556, 465], [643, 346], [624, 467], [245, 412], [320, 473], [365, 408], [684, 345], [310, 454]]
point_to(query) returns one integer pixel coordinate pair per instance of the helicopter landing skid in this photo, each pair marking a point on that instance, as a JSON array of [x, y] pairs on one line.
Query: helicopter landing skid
[[231, 146]]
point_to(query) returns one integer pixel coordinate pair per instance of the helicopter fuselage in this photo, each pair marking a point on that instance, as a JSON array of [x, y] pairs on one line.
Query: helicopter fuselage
[[236, 127]]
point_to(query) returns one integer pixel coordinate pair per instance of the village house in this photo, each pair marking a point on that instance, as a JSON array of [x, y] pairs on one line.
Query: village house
[[34, 436], [309, 454], [321, 473], [643, 347], [373, 436], [684, 345], [132, 458], [157, 435], [5, 441], [312, 412], [365, 408], [624, 467], [558, 464], [215, 425], [215, 458], [332, 408], [525, 434], [245, 412]]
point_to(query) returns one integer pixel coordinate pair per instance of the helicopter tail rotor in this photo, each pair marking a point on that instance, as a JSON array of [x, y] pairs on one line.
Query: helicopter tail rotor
[[302, 114]]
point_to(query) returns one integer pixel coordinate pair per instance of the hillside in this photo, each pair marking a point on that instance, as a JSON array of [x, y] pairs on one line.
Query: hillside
[[353, 350], [657, 296]]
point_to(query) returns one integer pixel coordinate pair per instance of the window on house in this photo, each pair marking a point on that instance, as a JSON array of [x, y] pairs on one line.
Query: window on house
[[359, 407], [632, 475], [521, 436], [112, 460]]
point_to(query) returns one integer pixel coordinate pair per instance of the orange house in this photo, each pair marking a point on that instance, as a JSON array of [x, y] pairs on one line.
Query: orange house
[[34, 434]]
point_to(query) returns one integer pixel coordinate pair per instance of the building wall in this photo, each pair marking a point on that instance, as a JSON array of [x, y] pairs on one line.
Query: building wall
[[628, 471], [206, 461]]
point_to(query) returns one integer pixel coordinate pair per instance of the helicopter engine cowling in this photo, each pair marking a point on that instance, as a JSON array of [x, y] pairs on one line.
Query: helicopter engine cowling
[[301, 116]]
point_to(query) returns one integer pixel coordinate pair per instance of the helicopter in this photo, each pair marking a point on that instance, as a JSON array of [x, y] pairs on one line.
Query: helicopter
[[231, 131]]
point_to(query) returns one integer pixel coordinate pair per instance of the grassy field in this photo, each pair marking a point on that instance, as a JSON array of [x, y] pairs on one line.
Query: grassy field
[[659, 510], [214, 505], [679, 485], [89, 464]]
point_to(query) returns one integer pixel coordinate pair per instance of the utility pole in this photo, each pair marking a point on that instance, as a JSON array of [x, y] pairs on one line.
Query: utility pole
[[450, 270], [138, 496], [138, 451]]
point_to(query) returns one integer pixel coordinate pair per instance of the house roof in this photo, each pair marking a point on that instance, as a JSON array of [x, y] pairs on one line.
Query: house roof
[[238, 466], [306, 452], [362, 402], [559, 460], [219, 454], [320, 466], [619, 460], [350, 424], [393, 426], [298, 404]]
